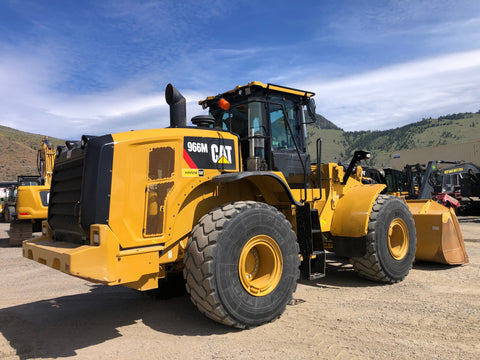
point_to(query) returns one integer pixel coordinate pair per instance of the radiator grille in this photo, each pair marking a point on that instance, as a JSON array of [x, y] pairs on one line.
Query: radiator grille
[[65, 198], [80, 189]]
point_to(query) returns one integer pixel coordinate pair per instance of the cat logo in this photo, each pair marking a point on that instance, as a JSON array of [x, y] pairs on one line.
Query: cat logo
[[221, 154]]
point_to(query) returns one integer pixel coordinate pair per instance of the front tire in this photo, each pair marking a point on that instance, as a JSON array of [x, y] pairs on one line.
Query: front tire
[[391, 242], [242, 264]]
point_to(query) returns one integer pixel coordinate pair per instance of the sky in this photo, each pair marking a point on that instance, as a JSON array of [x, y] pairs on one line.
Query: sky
[[94, 67]]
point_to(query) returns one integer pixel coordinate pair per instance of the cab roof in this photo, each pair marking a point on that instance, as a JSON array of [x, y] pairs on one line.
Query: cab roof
[[243, 89]]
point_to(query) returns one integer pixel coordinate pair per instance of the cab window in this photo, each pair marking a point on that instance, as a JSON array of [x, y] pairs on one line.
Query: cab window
[[240, 119], [281, 135]]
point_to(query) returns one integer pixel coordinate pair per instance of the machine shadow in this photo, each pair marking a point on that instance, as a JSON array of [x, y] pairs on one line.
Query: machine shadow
[[429, 266], [340, 274], [61, 326]]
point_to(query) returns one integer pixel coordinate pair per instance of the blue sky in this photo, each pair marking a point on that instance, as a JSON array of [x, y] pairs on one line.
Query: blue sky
[[70, 67]]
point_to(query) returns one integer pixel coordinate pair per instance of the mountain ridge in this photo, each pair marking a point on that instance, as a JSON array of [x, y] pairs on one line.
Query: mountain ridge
[[339, 145]]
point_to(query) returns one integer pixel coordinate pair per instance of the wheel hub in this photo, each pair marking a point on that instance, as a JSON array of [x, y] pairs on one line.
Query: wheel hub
[[260, 265], [398, 239]]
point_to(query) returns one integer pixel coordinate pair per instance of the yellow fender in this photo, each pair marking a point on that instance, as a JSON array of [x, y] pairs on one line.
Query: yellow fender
[[352, 210]]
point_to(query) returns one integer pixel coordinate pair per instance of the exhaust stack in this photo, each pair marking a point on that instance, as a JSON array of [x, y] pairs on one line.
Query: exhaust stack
[[178, 108]]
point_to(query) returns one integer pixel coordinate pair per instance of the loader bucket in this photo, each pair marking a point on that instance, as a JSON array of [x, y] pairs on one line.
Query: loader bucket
[[439, 238]]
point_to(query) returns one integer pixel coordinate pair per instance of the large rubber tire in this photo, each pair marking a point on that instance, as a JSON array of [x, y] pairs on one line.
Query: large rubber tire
[[242, 264], [391, 242]]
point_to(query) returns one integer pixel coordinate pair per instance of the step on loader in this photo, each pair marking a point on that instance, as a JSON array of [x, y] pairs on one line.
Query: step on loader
[[234, 202]]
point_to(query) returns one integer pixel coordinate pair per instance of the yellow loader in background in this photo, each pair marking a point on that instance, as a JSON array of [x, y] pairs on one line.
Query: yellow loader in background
[[30, 206], [235, 203]]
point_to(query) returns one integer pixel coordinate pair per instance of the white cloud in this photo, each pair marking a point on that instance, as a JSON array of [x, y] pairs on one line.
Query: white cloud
[[397, 95], [113, 112], [28, 103], [385, 98]]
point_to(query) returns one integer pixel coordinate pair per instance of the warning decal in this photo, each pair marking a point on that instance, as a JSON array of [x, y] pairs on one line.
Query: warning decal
[[192, 172], [209, 153]]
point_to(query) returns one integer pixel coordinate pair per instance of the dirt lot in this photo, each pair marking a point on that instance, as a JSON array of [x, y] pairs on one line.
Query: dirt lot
[[433, 314]]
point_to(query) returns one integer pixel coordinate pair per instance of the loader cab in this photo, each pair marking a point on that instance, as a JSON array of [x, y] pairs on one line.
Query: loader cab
[[270, 122]]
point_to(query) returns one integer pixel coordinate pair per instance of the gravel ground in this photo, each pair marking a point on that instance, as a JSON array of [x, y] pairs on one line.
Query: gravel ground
[[433, 314]]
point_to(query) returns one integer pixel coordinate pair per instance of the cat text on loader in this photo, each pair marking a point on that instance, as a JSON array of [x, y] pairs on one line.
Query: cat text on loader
[[30, 205], [235, 203]]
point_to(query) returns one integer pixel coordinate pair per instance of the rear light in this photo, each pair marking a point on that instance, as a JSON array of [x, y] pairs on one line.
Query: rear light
[[96, 238], [97, 235], [24, 214], [46, 229]]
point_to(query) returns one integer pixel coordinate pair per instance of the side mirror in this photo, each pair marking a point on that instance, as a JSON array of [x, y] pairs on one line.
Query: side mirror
[[358, 155], [311, 108]]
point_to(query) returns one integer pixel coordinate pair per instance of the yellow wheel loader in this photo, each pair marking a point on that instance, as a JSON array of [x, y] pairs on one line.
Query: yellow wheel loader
[[234, 202], [30, 206]]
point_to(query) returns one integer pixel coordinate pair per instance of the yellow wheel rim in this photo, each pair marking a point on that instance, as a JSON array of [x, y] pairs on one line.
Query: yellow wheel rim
[[260, 265], [398, 239]]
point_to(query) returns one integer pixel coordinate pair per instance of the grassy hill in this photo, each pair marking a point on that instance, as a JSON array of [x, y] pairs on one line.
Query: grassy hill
[[19, 152], [339, 145]]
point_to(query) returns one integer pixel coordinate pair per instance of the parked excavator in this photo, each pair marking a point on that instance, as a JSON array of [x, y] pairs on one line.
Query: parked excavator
[[29, 207], [235, 203]]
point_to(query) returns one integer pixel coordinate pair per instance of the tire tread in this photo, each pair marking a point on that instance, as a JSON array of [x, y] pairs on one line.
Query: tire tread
[[369, 266], [199, 261]]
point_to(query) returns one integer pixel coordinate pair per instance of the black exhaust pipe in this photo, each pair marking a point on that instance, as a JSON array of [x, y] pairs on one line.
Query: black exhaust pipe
[[178, 107]]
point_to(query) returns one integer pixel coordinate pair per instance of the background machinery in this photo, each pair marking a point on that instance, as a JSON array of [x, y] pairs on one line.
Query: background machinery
[[29, 206], [235, 203], [454, 184]]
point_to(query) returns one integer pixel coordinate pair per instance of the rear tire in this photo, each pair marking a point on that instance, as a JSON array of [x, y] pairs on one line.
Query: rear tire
[[242, 264], [391, 242]]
